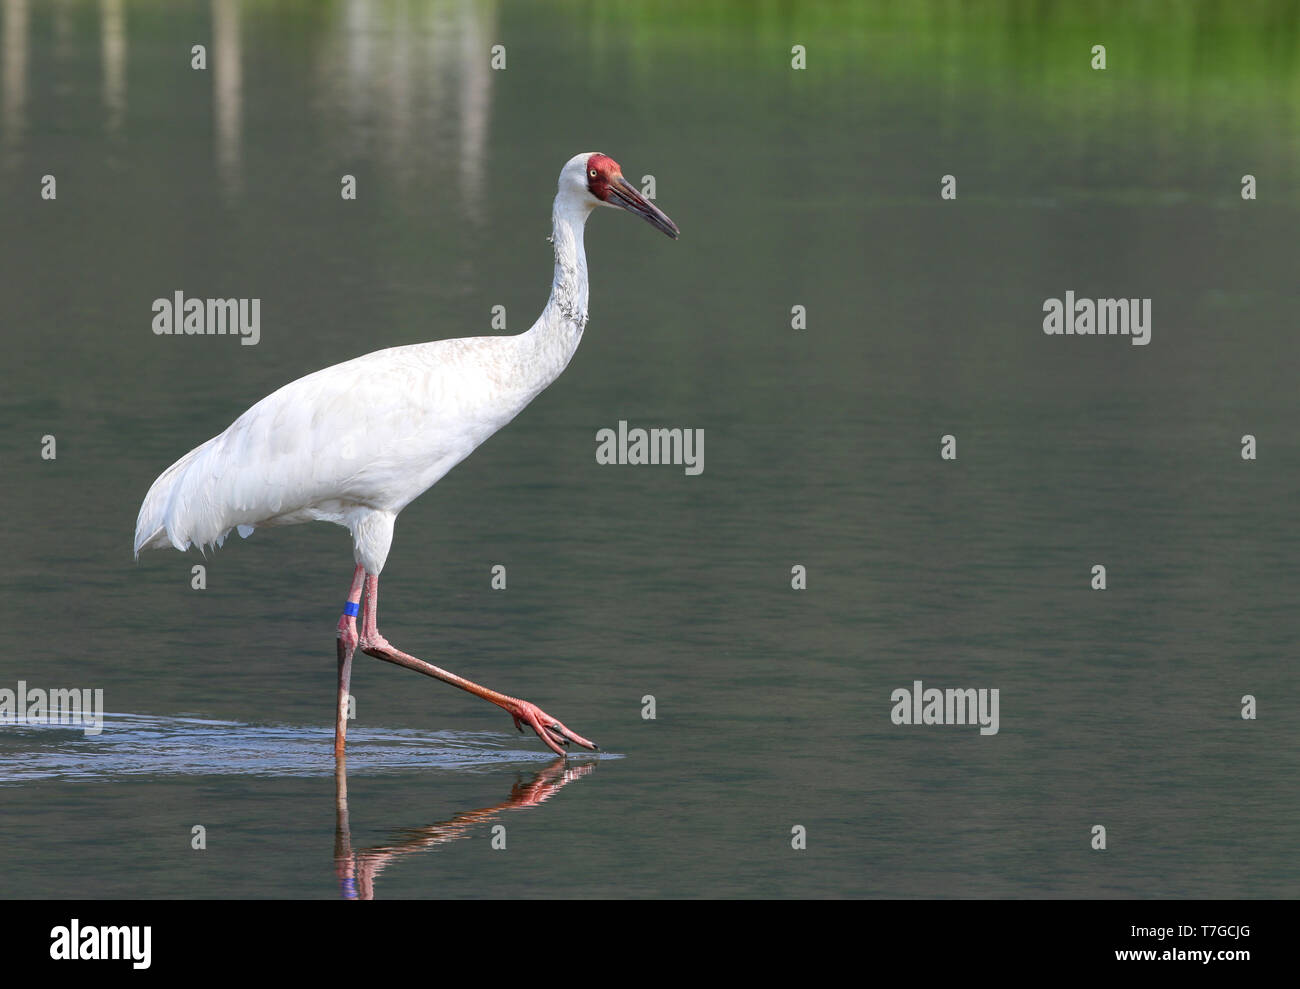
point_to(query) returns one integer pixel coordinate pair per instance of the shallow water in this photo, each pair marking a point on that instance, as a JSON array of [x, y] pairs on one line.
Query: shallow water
[[772, 705], [141, 745]]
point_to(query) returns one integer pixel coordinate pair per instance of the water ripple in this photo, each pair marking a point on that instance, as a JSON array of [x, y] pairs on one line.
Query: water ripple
[[149, 745]]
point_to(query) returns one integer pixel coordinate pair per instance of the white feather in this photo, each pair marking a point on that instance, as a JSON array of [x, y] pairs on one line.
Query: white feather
[[355, 443]]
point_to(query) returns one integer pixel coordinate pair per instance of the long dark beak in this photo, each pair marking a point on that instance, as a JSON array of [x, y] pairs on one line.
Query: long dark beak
[[623, 193]]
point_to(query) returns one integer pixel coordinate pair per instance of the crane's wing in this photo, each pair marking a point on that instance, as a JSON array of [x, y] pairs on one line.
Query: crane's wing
[[369, 434]]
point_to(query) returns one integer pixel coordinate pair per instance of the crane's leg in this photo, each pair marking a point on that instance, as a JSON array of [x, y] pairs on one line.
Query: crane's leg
[[548, 729], [347, 642]]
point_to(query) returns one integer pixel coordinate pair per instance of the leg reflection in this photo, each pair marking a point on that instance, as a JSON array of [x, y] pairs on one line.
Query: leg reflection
[[357, 870]]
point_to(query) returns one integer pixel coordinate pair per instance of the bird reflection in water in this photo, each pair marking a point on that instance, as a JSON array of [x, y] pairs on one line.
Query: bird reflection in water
[[357, 869]]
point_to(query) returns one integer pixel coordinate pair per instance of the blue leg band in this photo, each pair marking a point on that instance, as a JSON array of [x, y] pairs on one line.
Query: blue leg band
[[351, 608]]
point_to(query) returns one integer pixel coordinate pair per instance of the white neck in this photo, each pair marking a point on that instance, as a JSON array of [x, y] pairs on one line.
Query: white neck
[[568, 302], [553, 339]]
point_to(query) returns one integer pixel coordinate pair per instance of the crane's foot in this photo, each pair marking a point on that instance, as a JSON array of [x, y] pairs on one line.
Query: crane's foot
[[548, 729]]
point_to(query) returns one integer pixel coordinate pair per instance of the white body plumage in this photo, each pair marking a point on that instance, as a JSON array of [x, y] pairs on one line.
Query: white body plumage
[[357, 442]]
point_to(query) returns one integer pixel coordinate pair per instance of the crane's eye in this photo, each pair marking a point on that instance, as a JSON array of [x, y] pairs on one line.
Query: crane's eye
[[593, 173]]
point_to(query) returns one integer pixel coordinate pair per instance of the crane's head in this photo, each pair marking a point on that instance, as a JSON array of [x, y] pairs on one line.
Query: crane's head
[[602, 183]]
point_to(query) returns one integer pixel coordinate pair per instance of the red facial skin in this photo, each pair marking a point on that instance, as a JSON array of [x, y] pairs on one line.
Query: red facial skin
[[606, 169]]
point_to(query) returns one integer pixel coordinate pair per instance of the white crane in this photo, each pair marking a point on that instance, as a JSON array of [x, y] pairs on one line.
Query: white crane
[[356, 443]]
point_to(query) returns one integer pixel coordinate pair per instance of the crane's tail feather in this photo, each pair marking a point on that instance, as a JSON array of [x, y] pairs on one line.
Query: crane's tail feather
[[151, 531]]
